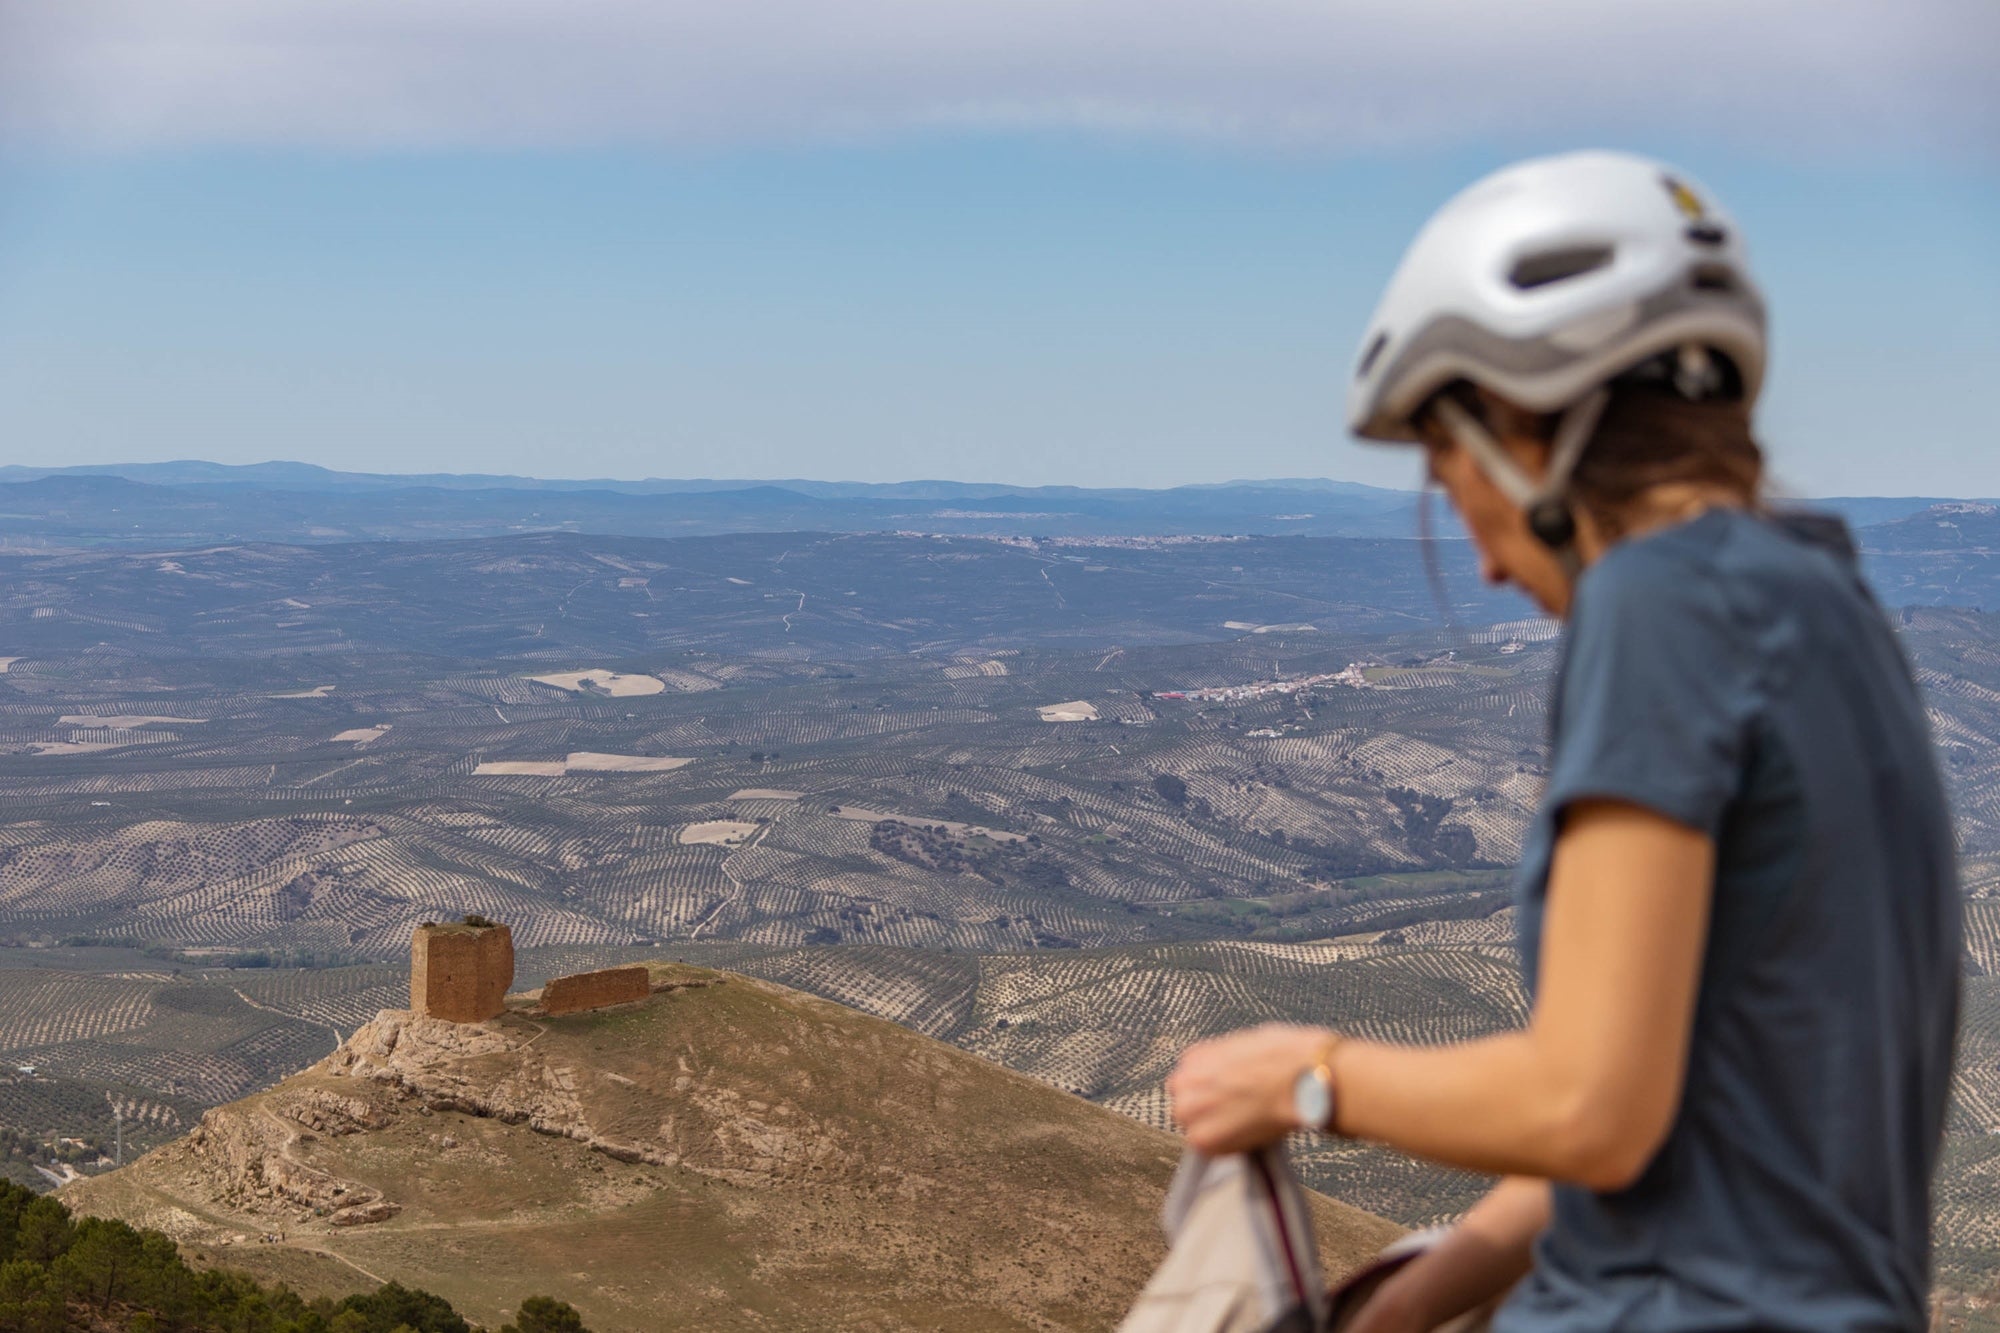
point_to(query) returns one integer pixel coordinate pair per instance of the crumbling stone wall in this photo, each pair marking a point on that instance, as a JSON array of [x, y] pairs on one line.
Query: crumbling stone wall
[[595, 990], [461, 973]]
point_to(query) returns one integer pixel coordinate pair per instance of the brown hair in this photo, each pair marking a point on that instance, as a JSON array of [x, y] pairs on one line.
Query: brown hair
[[1651, 436], [1648, 436]]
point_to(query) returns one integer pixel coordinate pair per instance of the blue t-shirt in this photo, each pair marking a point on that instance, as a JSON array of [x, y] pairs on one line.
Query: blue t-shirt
[[1733, 674]]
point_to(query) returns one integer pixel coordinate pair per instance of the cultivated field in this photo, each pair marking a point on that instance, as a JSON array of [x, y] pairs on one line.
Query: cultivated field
[[848, 779], [611, 684]]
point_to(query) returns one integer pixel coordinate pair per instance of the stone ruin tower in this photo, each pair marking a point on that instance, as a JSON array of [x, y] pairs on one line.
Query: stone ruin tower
[[461, 973]]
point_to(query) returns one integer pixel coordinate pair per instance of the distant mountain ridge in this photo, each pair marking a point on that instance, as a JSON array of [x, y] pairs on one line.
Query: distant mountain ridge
[[158, 504], [293, 476], [196, 502]]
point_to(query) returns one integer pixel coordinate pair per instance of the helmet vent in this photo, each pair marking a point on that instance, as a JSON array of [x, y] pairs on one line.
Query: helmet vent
[[1539, 270], [1372, 355], [1713, 278]]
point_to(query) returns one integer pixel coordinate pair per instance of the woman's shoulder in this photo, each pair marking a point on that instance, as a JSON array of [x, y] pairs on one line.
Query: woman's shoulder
[[1725, 562], [1659, 679], [1670, 573], [1742, 601]]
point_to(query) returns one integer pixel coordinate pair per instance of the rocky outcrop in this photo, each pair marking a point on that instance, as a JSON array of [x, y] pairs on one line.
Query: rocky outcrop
[[480, 1070], [249, 1156], [329, 1113], [248, 1159], [494, 1071]]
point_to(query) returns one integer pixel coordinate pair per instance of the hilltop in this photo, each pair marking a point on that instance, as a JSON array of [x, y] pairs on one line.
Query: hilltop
[[726, 1154]]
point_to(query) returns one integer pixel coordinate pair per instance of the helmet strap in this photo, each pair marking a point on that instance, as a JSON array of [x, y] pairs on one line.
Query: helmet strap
[[1544, 501]]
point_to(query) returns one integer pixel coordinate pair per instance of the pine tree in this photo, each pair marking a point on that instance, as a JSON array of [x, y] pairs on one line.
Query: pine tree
[[544, 1314]]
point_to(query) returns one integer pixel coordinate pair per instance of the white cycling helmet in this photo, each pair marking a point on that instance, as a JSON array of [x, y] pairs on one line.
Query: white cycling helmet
[[1545, 281]]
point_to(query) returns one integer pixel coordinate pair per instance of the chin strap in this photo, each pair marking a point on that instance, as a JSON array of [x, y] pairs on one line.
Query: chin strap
[[1545, 501]]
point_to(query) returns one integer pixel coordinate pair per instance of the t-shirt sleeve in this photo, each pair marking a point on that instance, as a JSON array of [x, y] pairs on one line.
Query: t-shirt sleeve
[[1657, 693]]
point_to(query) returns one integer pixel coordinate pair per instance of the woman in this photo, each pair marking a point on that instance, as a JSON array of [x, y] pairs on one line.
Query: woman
[[1739, 920]]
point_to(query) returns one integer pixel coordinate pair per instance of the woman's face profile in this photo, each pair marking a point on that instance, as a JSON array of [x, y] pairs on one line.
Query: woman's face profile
[[1508, 551]]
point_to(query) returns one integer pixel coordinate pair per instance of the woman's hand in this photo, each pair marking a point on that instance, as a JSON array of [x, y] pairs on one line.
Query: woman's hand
[[1234, 1093]]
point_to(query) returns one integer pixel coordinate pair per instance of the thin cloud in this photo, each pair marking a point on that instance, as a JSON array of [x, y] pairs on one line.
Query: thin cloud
[[1785, 75]]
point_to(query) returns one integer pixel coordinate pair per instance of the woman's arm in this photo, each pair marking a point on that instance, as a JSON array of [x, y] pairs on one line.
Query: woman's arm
[[1586, 1093], [1475, 1263]]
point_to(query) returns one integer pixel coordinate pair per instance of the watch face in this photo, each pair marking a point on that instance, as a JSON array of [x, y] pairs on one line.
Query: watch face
[[1310, 1100]]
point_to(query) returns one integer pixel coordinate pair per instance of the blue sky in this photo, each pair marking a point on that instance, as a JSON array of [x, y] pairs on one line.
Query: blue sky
[[1032, 266]]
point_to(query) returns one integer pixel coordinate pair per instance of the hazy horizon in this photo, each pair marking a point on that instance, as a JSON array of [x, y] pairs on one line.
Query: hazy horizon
[[722, 480], [1104, 245]]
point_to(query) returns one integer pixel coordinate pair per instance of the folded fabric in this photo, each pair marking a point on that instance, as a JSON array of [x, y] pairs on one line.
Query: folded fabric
[[1241, 1256]]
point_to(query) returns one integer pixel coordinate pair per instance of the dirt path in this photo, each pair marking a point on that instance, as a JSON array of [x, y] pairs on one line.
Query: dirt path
[[715, 911], [241, 1225], [562, 607], [331, 771], [338, 1258], [1061, 604]]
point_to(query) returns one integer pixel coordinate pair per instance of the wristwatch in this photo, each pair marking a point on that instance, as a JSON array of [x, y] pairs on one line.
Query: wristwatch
[[1315, 1101]]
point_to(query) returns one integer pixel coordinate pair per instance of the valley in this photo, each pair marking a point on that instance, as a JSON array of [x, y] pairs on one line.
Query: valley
[[1061, 805]]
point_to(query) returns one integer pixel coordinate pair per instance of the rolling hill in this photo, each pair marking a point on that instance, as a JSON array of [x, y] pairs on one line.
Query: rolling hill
[[729, 1154]]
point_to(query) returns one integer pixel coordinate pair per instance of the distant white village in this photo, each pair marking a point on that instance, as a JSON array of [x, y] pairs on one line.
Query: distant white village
[[1508, 638], [1351, 675]]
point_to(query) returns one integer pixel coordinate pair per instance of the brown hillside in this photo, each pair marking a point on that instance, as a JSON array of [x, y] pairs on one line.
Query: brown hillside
[[727, 1154]]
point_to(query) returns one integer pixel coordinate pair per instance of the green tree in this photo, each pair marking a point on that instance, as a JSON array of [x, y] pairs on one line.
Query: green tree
[[105, 1273], [545, 1314], [98, 1267], [389, 1307], [237, 1303], [29, 1303], [14, 1200], [44, 1231], [109, 1263]]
